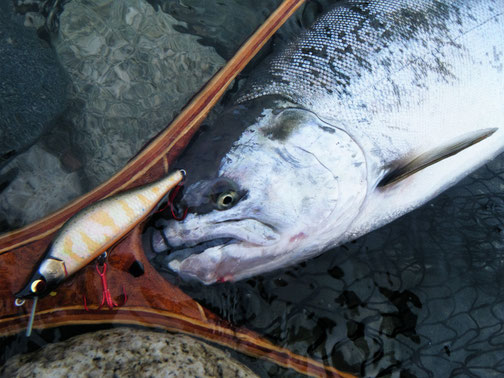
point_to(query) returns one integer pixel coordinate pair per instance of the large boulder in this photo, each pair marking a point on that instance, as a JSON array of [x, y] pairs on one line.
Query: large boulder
[[131, 72], [126, 352], [31, 194], [32, 84]]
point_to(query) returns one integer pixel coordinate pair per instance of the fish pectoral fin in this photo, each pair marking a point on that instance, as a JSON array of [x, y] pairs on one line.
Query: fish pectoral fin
[[435, 155]]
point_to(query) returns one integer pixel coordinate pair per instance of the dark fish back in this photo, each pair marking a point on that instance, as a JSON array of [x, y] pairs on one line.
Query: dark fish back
[[359, 43]]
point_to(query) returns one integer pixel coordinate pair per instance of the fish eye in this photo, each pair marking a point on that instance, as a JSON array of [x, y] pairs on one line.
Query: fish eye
[[227, 200]]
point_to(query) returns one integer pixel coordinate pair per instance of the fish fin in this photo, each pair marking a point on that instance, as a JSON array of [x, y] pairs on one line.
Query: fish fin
[[435, 155]]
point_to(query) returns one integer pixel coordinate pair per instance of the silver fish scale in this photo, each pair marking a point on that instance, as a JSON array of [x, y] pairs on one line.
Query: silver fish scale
[[355, 45]]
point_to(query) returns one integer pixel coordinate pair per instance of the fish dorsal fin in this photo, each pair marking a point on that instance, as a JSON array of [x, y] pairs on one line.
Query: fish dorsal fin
[[434, 155]]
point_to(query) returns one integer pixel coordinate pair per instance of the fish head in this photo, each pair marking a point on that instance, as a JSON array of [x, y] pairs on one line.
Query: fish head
[[48, 275], [287, 189]]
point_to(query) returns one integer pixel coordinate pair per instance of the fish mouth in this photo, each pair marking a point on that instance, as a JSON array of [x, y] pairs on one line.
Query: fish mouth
[[216, 260], [182, 252], [179, 246]]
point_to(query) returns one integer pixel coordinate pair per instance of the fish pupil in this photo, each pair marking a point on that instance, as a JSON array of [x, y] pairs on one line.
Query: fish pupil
[[226, 200]]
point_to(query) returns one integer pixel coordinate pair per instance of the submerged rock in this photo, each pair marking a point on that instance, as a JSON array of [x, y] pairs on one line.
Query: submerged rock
[[131, 72], [126, 352], [222, 24], [32, 85], [30, 194]]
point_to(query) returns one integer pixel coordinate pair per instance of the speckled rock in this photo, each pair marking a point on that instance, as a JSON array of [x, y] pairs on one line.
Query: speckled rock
[[125, 352], [131, 74], [32, 84], [31, 194]]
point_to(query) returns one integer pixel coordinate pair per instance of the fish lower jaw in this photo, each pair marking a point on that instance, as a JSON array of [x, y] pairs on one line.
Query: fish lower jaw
[[217, 263], [183, 251], [192, 267], [175, 265]]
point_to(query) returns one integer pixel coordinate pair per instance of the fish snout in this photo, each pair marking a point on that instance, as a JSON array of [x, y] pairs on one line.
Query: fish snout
[[159, 242]]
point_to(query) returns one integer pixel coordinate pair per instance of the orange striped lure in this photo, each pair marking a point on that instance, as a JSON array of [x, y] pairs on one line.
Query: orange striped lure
[[92, 231]]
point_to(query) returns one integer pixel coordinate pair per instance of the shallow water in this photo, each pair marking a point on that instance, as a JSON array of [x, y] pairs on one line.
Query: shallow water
[[131, 68], [421, 296]]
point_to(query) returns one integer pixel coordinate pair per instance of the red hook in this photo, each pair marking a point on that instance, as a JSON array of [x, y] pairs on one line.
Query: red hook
[[171, 198], [106, 297]]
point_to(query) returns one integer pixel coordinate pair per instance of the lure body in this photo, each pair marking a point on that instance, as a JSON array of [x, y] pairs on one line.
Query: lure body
[[93, 230]]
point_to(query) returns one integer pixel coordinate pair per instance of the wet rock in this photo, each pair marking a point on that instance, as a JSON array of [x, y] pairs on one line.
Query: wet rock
[[126, 352], [222, 24], [32, 85], [29, 192], [131, 72]]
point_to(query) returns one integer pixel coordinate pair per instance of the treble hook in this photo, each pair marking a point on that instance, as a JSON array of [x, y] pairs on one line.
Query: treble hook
[[171, 198], [106, 297]]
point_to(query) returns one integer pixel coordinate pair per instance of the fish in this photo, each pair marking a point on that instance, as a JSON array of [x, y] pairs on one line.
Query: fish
[[90, 232], [369, 113]]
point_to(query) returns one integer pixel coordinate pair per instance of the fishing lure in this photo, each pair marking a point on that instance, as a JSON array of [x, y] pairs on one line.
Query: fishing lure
[[90, 232]]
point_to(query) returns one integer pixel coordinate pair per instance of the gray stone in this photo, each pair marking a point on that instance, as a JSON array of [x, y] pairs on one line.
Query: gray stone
[[223, 24], [32, 84], [131, 74], [31, 195], [125, 352]]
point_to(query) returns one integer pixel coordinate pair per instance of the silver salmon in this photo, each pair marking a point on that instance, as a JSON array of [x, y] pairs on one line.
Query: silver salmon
[[375, 109]]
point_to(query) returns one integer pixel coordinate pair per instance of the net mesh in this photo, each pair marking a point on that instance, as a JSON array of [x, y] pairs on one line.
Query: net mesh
[[421, 296]]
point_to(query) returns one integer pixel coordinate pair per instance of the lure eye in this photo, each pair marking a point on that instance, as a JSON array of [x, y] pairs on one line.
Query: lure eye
[[227, 200], [37, 286]]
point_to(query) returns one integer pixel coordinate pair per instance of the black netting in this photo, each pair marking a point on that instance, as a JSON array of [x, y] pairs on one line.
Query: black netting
[[422, 295]]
